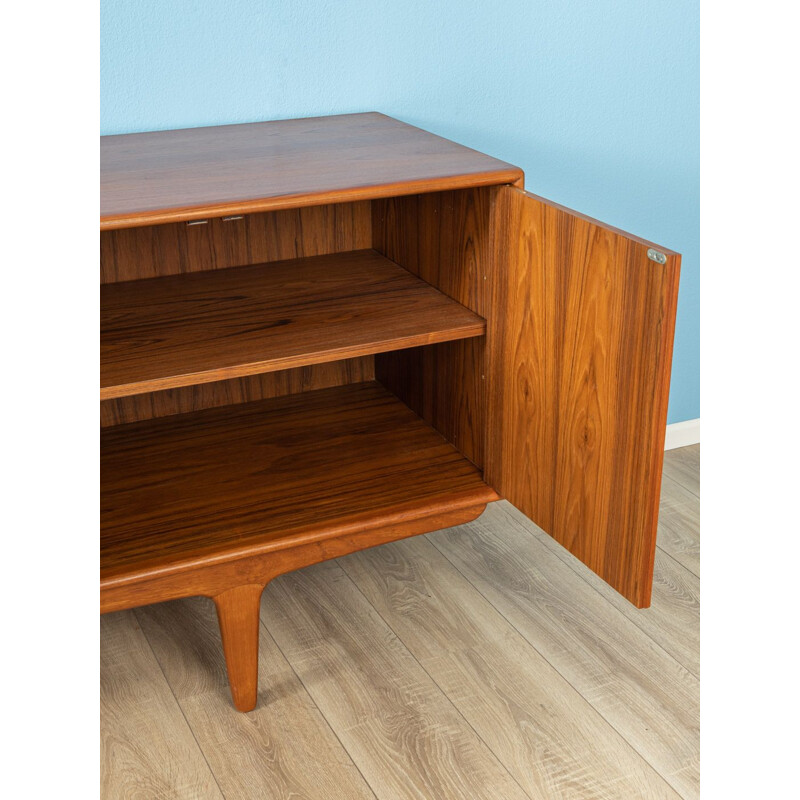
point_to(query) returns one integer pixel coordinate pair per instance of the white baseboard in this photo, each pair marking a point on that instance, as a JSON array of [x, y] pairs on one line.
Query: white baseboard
[[681, 434]]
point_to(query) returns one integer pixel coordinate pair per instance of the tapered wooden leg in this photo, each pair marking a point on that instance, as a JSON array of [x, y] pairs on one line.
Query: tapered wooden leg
[[237, 610]]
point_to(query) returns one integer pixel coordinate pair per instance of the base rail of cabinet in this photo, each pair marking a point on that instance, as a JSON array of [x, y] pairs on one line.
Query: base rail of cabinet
[[236, 588]]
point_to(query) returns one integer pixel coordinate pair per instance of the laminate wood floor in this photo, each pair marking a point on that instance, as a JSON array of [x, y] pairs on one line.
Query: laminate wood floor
[[481, 661]]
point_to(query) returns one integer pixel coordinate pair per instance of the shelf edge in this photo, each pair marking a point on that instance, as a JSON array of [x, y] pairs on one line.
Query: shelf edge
[[319, 534], [117, 391]]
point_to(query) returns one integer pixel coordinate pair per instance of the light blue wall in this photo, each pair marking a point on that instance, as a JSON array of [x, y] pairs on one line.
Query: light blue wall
[[597, 100]]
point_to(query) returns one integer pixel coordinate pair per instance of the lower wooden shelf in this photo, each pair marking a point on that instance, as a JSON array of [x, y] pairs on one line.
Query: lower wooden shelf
[[312, 474]]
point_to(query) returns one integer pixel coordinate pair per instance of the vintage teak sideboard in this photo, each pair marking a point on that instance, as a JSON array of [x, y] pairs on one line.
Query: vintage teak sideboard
[[320, 335]]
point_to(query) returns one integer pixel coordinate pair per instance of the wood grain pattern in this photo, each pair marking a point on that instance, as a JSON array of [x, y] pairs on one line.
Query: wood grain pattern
[[236, 390], [683, 466], [444, 238], [580, 350], [513, 699], [237, 611], [406, 738], [284, 749], [202, 327], [641, 691], [673, 618], [679, 523], [167, 176], [147, 748], [131, 254], [211, 577], [251, 755], [227, 483], [443, 383], [235, 584]]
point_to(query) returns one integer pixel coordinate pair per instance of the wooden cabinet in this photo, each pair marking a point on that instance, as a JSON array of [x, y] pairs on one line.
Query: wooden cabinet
[[321, 335]]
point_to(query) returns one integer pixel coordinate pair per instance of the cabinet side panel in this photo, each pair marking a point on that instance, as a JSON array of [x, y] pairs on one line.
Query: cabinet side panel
[[443, 384], [238, 390], [580, 339], [444, 238], [133, 253]]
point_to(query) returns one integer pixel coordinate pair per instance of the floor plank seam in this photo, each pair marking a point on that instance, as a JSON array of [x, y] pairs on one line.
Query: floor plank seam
[[597, 711], [676, 562], [681, 484], [319, 710], [690, 528], [178, 702], [588, 582], [436, 684], [687, 570]]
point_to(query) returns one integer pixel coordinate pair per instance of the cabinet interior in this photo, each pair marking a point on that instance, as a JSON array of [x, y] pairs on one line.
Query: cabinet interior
[[294, 440], [442, 238]]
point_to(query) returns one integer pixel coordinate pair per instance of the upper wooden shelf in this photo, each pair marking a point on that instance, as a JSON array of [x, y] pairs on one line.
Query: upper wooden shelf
[[181, 330], [169, 176]]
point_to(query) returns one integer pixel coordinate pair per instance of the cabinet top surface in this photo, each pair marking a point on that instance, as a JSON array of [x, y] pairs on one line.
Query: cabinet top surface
[[170, 176]]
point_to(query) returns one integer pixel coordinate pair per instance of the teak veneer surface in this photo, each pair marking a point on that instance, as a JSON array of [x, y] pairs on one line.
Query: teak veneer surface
[[195, 328], [533, 342], [580, 337], [169, 176], [154, 251], [443, 238], [264, 386], [239, 481]]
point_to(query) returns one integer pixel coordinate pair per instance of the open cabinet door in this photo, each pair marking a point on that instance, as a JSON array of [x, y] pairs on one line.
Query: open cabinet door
[[581, 323]]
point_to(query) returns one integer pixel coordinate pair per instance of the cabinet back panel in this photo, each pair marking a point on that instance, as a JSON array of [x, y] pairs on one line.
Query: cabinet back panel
[[444, 238], [238, 390], [132, 253]]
